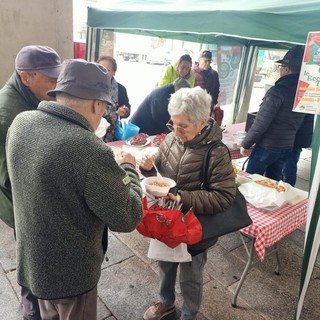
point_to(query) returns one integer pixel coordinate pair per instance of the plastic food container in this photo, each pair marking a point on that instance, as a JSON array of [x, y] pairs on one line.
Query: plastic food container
[[158, 187]]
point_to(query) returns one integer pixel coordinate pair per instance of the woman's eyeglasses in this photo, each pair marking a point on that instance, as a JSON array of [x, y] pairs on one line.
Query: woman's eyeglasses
[[172, 127]]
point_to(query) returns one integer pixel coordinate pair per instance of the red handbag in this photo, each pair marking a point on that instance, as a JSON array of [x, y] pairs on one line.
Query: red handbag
[[217, 114], [169, 226]]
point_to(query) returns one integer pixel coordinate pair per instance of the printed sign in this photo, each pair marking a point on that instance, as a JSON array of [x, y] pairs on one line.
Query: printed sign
[[228, 61], [307, 98]]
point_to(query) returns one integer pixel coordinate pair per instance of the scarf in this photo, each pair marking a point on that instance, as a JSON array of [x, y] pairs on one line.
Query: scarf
[[114, 91], [26, 93], [110, 113]]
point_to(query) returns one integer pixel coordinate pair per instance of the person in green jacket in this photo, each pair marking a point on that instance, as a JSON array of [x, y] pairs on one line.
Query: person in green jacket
[[36, 71], [180, 69]]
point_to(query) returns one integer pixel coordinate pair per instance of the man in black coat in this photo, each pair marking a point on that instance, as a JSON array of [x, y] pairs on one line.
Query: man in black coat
[[303, 140], [274, 130], [152, 114]]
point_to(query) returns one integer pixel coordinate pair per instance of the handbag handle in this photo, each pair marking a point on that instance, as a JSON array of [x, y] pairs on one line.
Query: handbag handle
[[205, 165]]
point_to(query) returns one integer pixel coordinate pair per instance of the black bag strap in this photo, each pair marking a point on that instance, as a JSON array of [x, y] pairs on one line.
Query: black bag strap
[[205, 165]]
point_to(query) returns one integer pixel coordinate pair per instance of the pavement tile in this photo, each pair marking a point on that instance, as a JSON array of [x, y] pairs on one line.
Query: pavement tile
[[102, 310], [117, 251], [290, 271], [137, 243], [216, 304], [271, 300], [294, 242], [12, 277], [8, 248], [9, 303], [128, 288], [222, 266], [230, 241]]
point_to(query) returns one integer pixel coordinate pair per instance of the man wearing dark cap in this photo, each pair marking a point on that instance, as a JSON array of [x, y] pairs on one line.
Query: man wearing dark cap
[[67, 185], [208, 79], [275, 127], [36, 71]]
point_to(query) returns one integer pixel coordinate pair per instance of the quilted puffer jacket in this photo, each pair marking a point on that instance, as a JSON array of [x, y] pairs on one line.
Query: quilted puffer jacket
[[182, 162], [276, 125]]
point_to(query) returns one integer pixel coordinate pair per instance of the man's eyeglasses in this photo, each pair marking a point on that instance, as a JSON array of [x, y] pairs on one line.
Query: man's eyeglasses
[[172, 126]]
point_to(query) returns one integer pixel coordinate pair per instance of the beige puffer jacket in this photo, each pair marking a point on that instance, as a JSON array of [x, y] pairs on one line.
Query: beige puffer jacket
[[183, 162]]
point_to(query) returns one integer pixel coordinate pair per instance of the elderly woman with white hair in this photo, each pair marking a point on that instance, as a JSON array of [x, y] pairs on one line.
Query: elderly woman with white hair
[[180, 157]]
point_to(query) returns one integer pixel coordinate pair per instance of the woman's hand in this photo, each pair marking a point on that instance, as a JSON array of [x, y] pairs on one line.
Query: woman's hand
[[173, 197], [146, 162], [122, 111]]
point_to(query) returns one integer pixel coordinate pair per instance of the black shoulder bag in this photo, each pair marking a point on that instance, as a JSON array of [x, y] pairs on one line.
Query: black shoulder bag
[[230, 220]]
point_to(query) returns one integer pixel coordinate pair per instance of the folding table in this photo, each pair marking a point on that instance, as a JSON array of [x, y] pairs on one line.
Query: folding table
[[266, 230]]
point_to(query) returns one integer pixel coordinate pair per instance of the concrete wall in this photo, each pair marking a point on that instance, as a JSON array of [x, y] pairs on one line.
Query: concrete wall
[[42, 22]]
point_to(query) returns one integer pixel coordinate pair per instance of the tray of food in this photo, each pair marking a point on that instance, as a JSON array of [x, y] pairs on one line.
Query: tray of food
[[139, 140], [158, 139]]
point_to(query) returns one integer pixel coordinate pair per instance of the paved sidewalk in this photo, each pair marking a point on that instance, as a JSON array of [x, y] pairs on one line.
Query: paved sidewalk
[[129, 280]]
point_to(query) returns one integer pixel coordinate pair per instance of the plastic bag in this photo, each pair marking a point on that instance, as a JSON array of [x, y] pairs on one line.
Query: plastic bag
[[169, 226], [265, 198], [160, 251], [125, 130]]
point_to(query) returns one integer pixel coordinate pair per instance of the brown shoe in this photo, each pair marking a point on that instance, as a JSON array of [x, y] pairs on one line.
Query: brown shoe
[[158, 310]]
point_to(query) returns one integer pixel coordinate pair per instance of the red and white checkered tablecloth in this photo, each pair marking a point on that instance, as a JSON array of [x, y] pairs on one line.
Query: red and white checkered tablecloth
[[269, 228], [235, 154]]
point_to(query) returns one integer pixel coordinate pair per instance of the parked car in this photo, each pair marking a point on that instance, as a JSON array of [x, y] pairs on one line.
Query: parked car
[[128, 56], [158, 57]]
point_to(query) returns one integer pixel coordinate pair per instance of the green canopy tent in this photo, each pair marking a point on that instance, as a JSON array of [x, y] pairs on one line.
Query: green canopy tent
[[251, 24]]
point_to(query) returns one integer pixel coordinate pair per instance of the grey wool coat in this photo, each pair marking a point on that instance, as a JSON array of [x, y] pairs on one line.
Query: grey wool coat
[[66, 187]]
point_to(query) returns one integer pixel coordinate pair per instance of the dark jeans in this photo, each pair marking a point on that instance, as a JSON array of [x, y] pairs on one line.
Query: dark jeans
[[30, 305], [290, 166], [269, 163]]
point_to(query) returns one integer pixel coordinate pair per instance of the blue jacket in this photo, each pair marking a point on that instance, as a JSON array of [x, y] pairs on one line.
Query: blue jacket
[[152, 114]]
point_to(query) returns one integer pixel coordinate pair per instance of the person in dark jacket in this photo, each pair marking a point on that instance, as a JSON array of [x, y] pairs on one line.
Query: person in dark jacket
[[120, 107], [36, 71], [180, 158], [303, 140], [275, 127], [152, 114], [67, 186]]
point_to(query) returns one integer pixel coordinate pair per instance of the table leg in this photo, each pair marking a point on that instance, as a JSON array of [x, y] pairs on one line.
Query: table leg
[[244, 273], [251, 263], [277, 271]]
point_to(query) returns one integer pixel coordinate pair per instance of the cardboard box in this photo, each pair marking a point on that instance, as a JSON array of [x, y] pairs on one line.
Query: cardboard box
[[250, 118]]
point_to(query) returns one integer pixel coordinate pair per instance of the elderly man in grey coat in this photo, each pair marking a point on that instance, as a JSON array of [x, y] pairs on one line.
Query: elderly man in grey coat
[[67, 185]]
